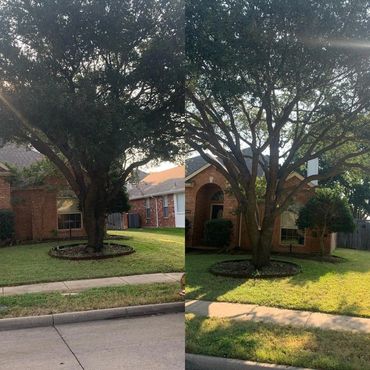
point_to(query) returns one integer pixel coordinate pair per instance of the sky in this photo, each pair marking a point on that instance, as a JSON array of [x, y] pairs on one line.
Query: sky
[[161, 167]]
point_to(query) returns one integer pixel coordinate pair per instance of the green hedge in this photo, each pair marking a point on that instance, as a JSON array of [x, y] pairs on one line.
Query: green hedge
[[217, 233], [6, 224]]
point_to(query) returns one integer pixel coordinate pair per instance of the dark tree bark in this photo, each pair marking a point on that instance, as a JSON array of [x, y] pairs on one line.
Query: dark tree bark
[[94, 208]]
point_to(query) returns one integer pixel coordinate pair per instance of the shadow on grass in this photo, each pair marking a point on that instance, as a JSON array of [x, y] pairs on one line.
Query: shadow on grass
[[286, 345], [321, 286]]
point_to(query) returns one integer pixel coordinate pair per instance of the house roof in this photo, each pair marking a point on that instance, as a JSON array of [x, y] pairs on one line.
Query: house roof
[[159, 183], [19, 155], [4, 170], [195, 164]]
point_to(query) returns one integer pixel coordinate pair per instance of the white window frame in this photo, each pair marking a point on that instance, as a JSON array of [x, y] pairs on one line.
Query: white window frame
[[68, 213], [290, 228], [166, 213], [147, 209]]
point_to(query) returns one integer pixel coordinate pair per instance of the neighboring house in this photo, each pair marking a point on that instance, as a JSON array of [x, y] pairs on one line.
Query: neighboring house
[[41, 212], [207, 198], [159, 198]]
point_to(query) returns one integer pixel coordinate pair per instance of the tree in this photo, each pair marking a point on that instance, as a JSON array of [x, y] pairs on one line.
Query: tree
[[40, 174], [355, 186], [95, 86], [325, 213], [289, 80]]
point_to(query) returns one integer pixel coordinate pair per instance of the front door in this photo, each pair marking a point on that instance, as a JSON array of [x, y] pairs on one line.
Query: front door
[[216, 211]]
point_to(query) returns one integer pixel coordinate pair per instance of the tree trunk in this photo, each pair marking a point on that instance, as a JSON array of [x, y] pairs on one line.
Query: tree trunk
[[262, 249], [94, 212], [261, 239], [322, 242]]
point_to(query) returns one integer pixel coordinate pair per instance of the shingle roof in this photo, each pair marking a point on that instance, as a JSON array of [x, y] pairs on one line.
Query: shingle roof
[[196, 163], [19, 155], [159, 183], [193, 164]]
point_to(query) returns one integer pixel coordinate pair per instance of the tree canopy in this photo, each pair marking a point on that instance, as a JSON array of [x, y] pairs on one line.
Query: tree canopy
[[290, 80], [96, 86]]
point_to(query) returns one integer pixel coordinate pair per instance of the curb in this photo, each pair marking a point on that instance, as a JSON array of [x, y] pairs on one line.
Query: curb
[[201, 362], [93, 315]]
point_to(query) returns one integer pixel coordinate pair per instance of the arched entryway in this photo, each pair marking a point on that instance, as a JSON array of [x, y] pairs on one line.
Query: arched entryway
[[209, 205]]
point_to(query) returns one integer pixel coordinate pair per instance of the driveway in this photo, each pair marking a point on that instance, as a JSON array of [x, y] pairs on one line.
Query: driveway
[[153, 342]]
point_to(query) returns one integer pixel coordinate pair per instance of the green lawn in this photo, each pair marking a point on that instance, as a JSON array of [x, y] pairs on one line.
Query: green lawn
[[156, 251], [98, 298], [311, 348], [342, 288]]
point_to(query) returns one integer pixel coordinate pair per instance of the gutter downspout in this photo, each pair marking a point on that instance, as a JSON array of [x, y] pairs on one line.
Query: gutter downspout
[[240, 229], [156, 211]]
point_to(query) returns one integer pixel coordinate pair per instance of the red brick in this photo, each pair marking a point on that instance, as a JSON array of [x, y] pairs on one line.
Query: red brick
[[203, 185], [156, 205]]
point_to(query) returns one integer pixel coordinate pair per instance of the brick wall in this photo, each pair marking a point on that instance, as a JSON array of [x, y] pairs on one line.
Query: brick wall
[[200, 189], [156, 204], [36, 217], [4, 193], [197, 204]]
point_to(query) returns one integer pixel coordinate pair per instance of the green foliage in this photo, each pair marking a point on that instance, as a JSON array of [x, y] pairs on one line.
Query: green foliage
[[327, 211], [95, 86], [289, 79], [6, 224], [34, 175], [355, 185], [217, 232], [120, 203], [187, 226]]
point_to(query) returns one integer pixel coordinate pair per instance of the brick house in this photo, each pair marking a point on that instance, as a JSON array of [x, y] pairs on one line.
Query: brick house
[[207, 198], [159, 198], [41, 212]]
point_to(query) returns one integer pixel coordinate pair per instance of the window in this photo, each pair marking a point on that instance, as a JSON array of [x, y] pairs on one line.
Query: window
[[180, 203], [147, 208], [289, 230], [165, 206], [69, 214], [69, 221], [218, 196]]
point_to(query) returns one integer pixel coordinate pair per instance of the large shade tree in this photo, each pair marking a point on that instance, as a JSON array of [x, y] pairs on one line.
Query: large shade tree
[[96, 86], [289, 80]]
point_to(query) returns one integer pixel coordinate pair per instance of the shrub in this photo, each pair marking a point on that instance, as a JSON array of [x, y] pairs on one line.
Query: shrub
[[6, 224], [326, 212], [187, 227], [217, 232]]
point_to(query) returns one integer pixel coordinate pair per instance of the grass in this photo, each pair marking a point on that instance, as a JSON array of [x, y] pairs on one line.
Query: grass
[[312, 348], [342, 288], [161, 250], [97, 298]]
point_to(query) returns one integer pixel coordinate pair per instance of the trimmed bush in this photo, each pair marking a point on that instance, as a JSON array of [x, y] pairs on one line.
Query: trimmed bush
[[217, 232], [6, 224], [187, 227]]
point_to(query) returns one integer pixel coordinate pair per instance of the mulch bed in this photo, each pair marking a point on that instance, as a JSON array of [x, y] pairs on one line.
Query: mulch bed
[[244, 269], [79, 251], [327, 258]]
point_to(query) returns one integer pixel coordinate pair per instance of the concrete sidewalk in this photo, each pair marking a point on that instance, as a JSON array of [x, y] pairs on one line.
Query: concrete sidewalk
[[79, 285], [236, 311], [151, 342]]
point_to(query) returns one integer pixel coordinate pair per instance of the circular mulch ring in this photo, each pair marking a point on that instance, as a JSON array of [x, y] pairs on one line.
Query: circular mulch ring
[[79, 252], [244, 269]]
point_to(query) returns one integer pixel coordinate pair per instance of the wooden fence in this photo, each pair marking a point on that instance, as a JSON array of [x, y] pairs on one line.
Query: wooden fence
[[359, 239]]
